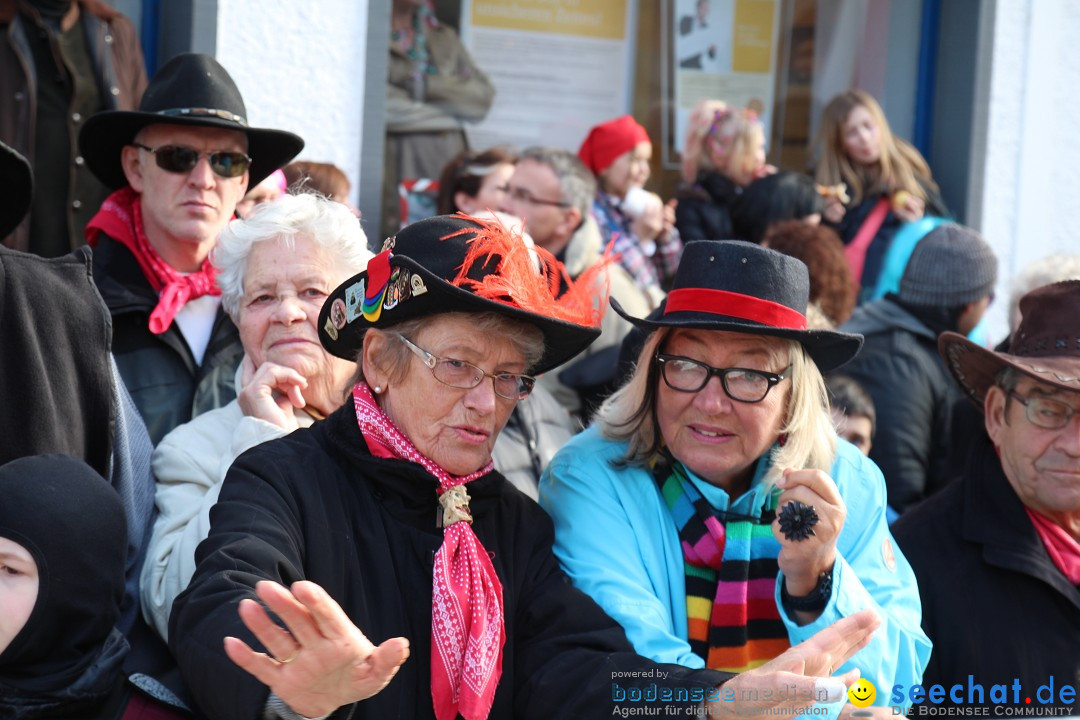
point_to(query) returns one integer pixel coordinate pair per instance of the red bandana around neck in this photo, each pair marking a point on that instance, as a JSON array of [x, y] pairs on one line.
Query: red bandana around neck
[[1063, 550], [467, 623], [120, 217]]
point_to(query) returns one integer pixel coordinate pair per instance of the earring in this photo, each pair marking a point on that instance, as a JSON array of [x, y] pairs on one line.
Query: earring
[[377, 389]]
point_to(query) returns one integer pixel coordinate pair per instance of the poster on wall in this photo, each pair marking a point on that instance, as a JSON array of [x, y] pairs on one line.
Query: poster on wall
[[720, 49], [558, 66]]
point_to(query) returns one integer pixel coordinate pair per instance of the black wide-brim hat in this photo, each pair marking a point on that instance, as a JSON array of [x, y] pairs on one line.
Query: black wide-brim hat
[[419, 274], [191, 89], [742, 287], [16, 187], [1045, 346]]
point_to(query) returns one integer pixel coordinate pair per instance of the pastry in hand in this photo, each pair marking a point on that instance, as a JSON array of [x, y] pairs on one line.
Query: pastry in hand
[[838, 191]]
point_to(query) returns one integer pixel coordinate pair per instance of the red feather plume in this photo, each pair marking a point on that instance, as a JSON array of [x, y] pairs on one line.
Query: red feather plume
[[518, 282]]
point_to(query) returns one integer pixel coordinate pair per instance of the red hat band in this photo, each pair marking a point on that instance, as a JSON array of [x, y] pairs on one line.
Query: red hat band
[[737, 305]]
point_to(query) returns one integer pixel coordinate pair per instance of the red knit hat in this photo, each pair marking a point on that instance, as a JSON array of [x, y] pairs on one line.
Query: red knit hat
[[609, 140]]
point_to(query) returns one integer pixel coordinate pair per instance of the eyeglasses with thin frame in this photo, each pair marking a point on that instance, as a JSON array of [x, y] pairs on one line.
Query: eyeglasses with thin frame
[[181, 159], [522, 195], [466, 376], [742, 384], [1044, 412]]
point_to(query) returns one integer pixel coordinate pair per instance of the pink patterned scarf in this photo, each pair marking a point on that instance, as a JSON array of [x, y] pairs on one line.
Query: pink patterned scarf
[[467, 624], [120, 217]]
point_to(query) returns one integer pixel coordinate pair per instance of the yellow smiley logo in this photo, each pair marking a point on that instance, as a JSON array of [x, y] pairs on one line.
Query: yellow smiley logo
[[862, 693]]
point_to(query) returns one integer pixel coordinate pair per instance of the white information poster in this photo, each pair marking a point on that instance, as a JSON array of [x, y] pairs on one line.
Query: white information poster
[[724, 50], [558, 66]]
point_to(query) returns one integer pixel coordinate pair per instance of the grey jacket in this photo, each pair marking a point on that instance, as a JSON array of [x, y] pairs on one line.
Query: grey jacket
[[538, 427]]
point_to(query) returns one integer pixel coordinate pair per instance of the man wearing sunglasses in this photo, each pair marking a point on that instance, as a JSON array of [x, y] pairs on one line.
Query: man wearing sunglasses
[[178, 166], [997, 552]]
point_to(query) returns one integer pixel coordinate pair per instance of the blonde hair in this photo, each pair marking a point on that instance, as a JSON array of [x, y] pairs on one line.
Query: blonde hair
[[728, 131], [901, 166], [629, 415]]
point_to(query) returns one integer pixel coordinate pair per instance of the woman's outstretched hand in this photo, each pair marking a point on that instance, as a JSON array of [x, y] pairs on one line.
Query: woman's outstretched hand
[[322, 661], [800, 676]]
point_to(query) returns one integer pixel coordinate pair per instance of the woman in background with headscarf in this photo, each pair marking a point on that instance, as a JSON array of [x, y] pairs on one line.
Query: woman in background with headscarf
[[648, 245]]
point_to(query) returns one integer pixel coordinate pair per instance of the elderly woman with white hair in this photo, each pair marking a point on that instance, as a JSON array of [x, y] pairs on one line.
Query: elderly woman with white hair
[[711, 509], [275, 270]]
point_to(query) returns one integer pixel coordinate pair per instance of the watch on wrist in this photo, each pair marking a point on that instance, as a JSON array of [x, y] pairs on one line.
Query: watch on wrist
[[815, 601]]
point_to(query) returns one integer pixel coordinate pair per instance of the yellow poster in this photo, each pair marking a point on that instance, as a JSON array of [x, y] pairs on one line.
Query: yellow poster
[[558, 66], [584, 18], [724, 50], [753, 36]]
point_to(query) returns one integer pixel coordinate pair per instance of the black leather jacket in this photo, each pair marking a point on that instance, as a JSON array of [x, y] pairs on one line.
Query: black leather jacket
[[160, 372]]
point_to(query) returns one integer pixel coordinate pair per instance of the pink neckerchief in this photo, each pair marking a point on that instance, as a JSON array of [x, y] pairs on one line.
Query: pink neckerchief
[[1060, 546], [467, 623], [120, 217]]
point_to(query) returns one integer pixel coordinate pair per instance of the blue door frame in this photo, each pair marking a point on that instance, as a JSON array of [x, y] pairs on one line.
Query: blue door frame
[[926, 76]]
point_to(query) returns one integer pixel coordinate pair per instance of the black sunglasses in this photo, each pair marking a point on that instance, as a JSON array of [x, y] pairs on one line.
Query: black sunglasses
[[181, 159]]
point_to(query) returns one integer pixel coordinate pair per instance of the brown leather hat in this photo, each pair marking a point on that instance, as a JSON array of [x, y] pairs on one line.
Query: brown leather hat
[[1046, 345]]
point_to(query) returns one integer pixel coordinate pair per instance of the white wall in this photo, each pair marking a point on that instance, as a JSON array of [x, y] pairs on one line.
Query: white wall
[[300, 67], [1029, 198]]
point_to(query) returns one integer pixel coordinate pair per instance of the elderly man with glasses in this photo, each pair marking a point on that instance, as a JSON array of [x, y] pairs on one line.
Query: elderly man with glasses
[[553, 191], [178, 166], [997, 554]]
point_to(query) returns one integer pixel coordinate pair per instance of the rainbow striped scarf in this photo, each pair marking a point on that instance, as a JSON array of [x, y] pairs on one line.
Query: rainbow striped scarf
[[730, 563]]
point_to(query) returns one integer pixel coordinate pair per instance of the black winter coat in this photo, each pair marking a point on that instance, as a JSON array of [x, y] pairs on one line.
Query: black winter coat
[[159, 371], [316, 505], [704, 209], [994, 604], [54, 339], [913, 396]]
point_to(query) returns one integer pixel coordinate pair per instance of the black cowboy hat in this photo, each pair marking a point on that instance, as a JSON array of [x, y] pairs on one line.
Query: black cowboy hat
[[16, 187], [190, 89], [742, 287], [1045, 346], [418, 274]]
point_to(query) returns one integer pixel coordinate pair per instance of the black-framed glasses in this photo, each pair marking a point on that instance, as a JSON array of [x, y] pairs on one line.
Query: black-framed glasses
[[466, 376], [743, 384], [181, 159], [1044, 412], [523, 195]]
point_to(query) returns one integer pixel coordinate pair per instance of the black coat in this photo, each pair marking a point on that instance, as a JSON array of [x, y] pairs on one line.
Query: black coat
[[54, 339], [994, 604], [160, 372], [316, 505], [704, 209], [913, 396]]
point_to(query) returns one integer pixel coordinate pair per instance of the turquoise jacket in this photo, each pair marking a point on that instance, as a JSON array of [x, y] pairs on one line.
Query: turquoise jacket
[[616, 540]]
